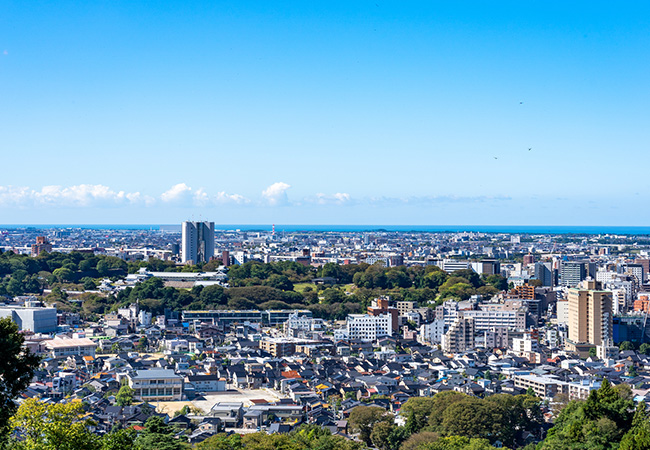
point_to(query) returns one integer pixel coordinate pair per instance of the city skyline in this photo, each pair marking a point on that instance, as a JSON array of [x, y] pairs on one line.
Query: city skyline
[[327, 113]]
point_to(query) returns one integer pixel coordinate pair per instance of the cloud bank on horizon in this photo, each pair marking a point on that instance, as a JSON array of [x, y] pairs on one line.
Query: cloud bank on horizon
[[183, 195]]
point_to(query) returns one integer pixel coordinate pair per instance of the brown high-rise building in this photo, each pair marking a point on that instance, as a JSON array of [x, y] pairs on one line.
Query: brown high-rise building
[[529, 259], [524, 291], [590, 315], [42, 245]]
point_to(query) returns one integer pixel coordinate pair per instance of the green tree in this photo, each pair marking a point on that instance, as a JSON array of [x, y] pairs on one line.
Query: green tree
[[221, 442], [365, 418], [415, 441], [64, 275], [626, 345], [17, 367], [469, 417], [638, 438], [645, 349], [142, 345], [599, 422], [380, 435], [58, 426], [458, 443], [157, 435], [89, 284], [122, 439], [124, 396], [592, 352]]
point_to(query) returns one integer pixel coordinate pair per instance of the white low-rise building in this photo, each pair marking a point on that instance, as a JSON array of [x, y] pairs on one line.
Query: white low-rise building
[[156, 385], [62, 347]]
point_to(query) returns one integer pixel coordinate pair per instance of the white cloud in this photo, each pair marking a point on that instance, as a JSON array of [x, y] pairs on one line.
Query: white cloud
[[14, 195], [222, 197], [202, 198], [179, 193], [276, 194], [431, 200], [81, 195], [340, 198]]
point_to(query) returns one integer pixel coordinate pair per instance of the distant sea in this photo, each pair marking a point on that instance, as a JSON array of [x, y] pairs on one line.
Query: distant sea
[[511, 229]]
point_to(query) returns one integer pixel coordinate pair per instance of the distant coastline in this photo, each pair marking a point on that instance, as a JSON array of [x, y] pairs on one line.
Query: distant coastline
[[510, 229]]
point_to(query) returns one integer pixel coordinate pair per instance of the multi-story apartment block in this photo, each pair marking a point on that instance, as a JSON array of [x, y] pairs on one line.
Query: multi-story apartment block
[[590, 315], [511, 315], [460, 336], [366, 327], [156, 385], [431, 333]]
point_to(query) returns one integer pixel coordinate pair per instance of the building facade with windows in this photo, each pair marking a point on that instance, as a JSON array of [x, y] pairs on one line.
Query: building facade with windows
[[197, 242], [156, 385]]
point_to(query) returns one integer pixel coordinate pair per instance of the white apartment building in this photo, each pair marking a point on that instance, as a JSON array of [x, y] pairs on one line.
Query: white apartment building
[[366, 327], [298, 324], [562, 312], [460, 336], [485, 319], [524, 345], [431, 333]]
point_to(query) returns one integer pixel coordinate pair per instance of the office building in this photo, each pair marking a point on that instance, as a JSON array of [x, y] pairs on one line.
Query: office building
[[431, 333], [544, 273], [278, 347], [637, 271], [487, 267], [197, 243], [34, 319], [572, 273], [590, 315], [645, 264]]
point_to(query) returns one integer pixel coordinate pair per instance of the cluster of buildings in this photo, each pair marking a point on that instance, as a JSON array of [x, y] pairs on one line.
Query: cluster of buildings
[[557, 329]]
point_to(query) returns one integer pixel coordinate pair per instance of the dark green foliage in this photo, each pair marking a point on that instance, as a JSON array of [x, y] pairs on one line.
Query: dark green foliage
[[638, 437], [499, 417], [598, 423], [157, 435], [626, 345], [16, 369], [119, 440]]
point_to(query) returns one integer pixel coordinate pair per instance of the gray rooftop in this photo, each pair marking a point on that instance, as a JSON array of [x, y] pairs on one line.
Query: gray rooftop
[[152, 374]]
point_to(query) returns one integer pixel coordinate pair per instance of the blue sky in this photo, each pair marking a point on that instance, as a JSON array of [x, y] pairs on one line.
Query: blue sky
[[324, 112]]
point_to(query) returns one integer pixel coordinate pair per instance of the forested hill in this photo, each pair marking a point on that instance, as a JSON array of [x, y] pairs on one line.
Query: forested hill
[[278, 285]]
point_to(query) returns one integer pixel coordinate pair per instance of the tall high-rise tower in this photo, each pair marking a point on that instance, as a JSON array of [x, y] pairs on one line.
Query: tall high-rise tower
[[197, 242], [590, 315]]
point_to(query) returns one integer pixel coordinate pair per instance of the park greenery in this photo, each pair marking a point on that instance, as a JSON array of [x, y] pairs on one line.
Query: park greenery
[[71, 279]]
